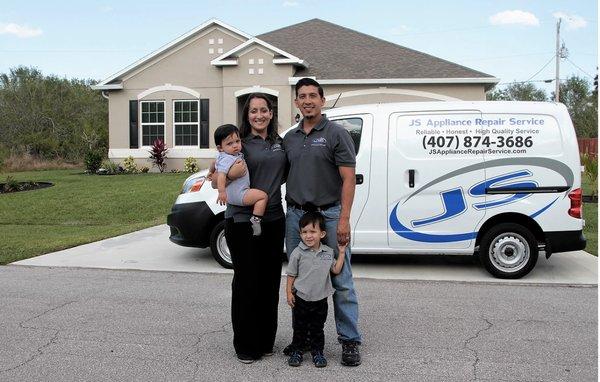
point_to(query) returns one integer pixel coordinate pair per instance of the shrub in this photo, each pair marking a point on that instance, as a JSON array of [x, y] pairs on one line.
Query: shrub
[[190, 165], [590, 164], [129, 166], [11, 185], [158, 154], [92, 161], [144, 170], [109, 168]]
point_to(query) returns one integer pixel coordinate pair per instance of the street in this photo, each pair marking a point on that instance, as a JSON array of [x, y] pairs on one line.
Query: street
[[73, 324]]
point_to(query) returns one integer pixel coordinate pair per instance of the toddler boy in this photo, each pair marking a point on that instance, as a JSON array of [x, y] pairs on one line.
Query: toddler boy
[[308, 286], [238, 192]]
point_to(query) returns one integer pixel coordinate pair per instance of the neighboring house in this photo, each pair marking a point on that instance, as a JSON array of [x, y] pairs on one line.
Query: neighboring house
[[187, 88]]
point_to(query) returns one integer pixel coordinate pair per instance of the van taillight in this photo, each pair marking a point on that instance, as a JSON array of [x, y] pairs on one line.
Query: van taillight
[[575, 197]]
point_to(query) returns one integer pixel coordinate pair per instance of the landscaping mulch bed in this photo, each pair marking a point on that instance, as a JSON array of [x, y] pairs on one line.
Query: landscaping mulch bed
[[6, 188]]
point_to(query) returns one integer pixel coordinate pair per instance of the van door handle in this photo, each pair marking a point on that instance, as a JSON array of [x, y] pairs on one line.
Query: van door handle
[[359, 179], [411, 178]]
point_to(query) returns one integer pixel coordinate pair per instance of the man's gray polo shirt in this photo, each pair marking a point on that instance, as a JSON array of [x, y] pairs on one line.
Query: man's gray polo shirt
[[312, 270], [314, 159]]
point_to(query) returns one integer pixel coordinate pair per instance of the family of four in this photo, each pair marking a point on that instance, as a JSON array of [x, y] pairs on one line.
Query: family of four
[[316, 160]]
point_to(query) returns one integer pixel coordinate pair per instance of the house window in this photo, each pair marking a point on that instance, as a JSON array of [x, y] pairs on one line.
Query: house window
[[186, 122], [153, 121]]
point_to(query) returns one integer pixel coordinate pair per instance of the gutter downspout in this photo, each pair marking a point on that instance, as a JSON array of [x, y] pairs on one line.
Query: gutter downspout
[[104, 94]]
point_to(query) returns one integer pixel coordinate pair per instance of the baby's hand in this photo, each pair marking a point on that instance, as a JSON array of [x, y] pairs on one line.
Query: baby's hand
[[222, 198], [342, 249], [291, 300]]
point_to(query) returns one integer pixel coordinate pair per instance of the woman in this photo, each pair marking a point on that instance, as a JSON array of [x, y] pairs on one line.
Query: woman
[[257, 259]]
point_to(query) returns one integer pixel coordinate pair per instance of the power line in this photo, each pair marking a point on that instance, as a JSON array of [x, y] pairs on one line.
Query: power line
[[586, 73], [543, 67]]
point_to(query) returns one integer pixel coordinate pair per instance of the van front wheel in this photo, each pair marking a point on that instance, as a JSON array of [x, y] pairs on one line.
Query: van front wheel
[[508, 251]]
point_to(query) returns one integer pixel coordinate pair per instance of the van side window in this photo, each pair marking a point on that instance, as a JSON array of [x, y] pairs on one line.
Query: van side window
[[354, 127]]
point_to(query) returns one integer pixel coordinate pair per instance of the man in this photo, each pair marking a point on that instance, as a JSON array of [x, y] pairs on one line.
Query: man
[[321, 177]]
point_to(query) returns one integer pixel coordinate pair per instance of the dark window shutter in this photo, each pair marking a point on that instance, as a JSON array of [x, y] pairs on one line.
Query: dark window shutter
[[204, 136], [133, 124]]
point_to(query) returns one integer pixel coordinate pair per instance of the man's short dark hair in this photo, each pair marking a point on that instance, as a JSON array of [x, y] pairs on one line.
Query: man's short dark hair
[[224, 131], [308, 82], [312, 217]]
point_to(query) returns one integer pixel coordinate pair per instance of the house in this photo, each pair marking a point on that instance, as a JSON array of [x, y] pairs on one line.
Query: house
[[184, 90]]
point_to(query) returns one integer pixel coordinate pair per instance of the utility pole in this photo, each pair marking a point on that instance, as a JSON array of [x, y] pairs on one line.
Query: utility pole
[[557, 60]]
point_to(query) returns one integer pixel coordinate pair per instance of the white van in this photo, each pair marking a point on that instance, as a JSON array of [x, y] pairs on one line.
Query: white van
[[500, 180]]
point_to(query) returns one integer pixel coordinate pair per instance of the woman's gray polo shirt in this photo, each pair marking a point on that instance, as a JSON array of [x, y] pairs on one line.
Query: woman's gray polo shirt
[[312, 270], [314, 162], [266, 164]]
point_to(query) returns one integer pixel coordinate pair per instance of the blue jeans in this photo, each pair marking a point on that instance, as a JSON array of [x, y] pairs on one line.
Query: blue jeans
[[345, 302]]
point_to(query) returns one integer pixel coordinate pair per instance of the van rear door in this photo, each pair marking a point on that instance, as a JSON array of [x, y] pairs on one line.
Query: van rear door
[[432, 167]]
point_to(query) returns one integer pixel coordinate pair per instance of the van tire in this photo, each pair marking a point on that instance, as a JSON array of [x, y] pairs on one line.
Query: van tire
[[508, 251], [218, 246]]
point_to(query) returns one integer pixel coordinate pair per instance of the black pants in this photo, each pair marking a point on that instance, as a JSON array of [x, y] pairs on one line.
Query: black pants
[[255, 286], [308, 319]]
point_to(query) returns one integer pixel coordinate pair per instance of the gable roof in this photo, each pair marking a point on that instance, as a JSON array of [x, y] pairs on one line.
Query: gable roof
[[106, 84], [284, 57], [336, 52]]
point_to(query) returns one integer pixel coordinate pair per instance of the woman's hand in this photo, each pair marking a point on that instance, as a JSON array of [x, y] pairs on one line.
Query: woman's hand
[[237, 170], [222, 198], [291, 300]]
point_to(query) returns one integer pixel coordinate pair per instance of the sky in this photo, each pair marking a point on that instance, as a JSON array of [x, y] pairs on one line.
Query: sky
[[513, 40]]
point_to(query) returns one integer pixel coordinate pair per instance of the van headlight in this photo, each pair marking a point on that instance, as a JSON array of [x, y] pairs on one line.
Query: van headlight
[[193, 184]]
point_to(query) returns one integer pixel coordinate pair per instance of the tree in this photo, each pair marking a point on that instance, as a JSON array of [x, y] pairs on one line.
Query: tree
[[578, 96], [518, 92], [51, 117]]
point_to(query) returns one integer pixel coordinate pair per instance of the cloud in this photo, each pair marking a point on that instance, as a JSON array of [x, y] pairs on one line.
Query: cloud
[[21, 31], [573, 21], [106, 9], [290, 3], [514, 17], [401, 29]]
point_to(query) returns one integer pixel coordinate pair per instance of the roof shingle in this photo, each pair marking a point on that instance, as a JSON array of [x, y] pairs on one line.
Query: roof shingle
[[335, 52]]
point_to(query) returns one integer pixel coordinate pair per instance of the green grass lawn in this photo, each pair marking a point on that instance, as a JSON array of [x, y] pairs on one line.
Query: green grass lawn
[[80, 209]]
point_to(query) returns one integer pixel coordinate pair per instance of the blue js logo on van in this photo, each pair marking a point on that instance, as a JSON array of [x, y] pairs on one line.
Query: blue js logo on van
[[512, 186]]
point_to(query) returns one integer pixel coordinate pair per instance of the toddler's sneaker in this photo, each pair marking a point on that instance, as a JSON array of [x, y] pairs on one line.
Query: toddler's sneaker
[[318, 358], [295, 358], [256, 229]]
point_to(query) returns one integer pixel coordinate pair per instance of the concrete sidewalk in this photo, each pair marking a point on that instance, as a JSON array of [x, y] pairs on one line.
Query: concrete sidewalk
[[150, 249]]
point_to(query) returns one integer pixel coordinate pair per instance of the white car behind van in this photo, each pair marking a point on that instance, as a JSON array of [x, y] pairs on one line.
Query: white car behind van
[[500, 180]]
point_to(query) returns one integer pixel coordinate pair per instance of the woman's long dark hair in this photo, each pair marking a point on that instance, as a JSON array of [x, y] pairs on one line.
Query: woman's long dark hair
[[245, 128]]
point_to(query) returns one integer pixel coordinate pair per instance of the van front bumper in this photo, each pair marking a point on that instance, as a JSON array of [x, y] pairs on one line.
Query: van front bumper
[[564, 241], [191, 224]]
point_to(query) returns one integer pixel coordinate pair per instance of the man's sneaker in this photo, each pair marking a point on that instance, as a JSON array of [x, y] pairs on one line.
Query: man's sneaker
[[288, 350], [295, 359], [350, 353], [244, 358], [319, 359]]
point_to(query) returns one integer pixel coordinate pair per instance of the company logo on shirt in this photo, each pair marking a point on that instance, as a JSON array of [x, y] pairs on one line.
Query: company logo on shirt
[[319, 142], [276, 147]]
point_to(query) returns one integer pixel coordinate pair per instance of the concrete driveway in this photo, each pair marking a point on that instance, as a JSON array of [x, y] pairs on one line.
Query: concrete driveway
[[150, 249]]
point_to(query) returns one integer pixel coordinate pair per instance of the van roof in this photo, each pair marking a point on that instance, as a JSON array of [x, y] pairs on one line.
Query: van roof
[[437, 106]]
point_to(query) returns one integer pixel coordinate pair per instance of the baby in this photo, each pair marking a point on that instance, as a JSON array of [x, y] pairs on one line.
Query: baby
[[238, 192]]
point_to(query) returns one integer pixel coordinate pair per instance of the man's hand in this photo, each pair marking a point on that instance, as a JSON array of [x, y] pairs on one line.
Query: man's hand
[[237, 170], [291, 300], [343, 231], [222, 198]]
